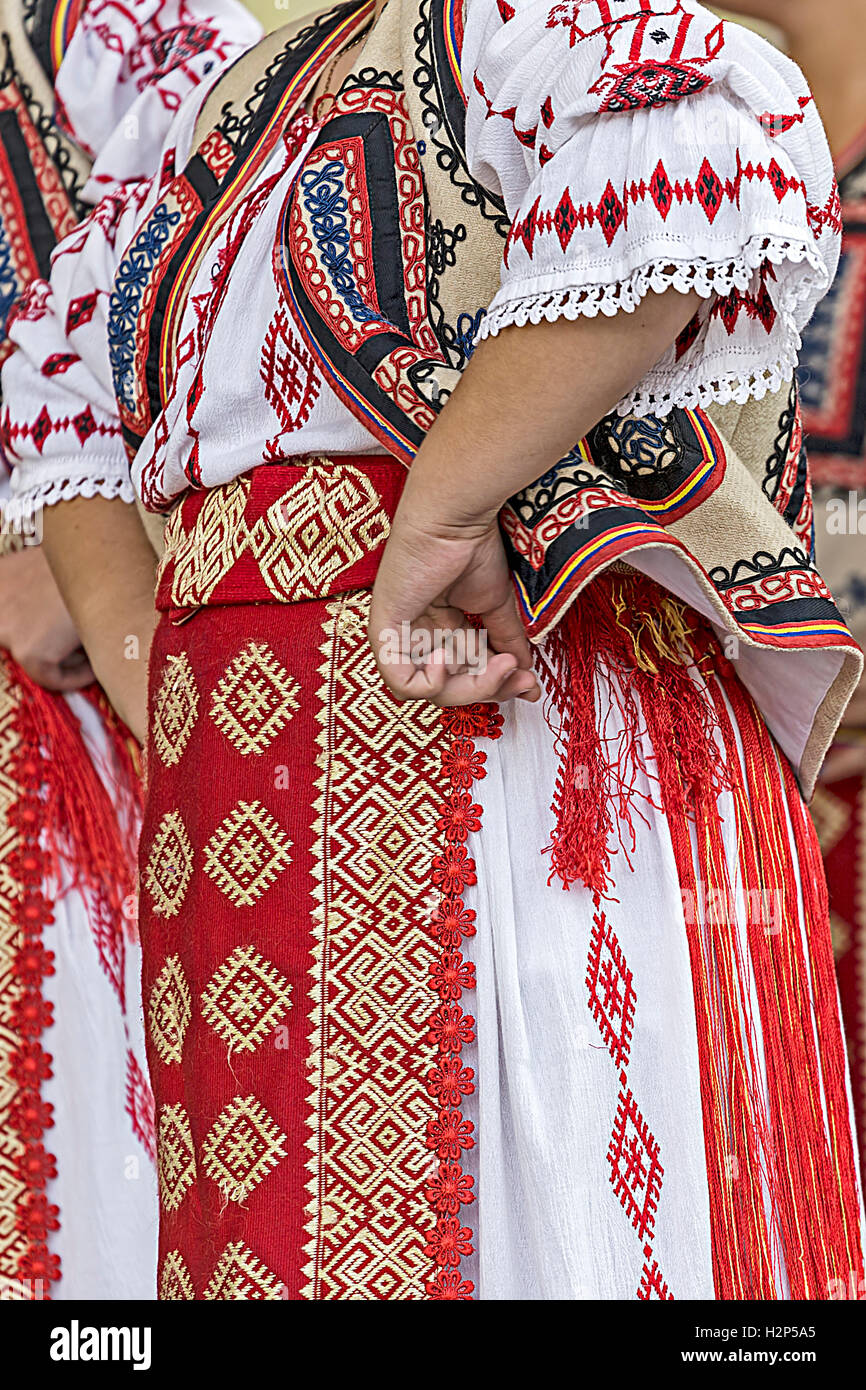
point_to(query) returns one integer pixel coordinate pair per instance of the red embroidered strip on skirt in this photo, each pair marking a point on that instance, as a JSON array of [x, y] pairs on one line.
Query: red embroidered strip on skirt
[[56, 819], [303, 858]]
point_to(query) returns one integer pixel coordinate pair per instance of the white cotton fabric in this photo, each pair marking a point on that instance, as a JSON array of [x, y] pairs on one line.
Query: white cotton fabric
[[548, 1221], [519, 62], [106, 1179]]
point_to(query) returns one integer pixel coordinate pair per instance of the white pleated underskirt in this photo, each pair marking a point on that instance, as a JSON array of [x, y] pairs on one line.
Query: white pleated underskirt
[[549, 1221]]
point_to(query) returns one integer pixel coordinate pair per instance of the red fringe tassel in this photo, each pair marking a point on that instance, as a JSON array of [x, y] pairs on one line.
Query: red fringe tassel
[[639, 633], [90, 830], [781, 1171]]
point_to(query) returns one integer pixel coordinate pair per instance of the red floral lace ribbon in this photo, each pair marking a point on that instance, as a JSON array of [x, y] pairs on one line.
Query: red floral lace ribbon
[[449, 1135]]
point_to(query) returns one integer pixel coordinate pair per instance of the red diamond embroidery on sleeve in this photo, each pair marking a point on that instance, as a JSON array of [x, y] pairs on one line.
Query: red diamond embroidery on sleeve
[[709, 191], [58, 363], [80, 311], [611, 211]]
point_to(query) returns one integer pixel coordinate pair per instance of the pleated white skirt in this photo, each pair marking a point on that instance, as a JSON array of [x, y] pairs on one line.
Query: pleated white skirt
[[589, 1162]]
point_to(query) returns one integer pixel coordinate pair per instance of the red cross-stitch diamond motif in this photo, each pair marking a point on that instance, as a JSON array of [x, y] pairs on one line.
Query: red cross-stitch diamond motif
[[84, 424], [80, 311], [565, 219], [709, 190], [611, 990], [778, 180], [610, 213], [661, 191], [635, 1169], [41, 428], [58, 363], [652, 1284]]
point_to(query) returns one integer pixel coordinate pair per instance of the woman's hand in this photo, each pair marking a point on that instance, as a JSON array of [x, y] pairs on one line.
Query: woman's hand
[[431, 576], [523, 402], [35, 625]]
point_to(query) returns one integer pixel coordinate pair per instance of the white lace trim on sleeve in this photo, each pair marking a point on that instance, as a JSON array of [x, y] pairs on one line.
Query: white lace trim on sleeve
[[717, 367], [62, 484]]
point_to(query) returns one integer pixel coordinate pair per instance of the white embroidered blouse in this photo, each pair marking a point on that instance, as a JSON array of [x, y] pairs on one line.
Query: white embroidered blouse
[[633, 152]]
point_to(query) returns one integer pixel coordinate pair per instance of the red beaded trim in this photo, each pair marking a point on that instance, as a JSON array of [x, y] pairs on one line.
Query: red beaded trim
[[450, 1028], [30, 1014]]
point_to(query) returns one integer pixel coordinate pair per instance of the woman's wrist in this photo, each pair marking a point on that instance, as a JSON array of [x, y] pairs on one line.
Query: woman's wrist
[[445, 495], [117, 638], [426, 514]]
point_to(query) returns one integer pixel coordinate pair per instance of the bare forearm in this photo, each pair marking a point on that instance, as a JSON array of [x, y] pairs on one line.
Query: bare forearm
[[105, 568], [528, 396]]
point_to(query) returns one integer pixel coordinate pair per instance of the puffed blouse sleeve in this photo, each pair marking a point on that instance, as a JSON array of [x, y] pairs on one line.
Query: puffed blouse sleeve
[[127, 69], [60, 430], [643, 151]]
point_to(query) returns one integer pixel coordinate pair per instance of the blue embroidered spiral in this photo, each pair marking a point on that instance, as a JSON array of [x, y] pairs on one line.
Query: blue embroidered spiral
[[465, 331], [129, 286], [325, 200]]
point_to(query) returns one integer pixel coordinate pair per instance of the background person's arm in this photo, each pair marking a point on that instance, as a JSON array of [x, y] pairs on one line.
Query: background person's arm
[[105, 568]]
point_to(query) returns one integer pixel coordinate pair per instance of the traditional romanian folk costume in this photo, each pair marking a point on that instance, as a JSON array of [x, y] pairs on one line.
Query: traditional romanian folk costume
[[399, 1050], [833, 389], [77, 1137]]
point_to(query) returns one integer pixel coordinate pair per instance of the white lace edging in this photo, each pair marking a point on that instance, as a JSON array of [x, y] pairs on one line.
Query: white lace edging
[[20, 508], [693, 384], [706, 278], [698, 387]]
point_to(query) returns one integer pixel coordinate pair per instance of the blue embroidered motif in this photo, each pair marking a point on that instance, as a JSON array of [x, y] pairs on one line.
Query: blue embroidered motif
[[467, 327], [9, 286], [129, 286], [326, 202]]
